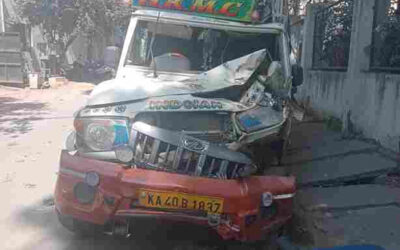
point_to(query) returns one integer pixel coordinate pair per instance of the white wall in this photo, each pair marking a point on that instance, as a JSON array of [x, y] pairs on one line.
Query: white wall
[[371, 100]]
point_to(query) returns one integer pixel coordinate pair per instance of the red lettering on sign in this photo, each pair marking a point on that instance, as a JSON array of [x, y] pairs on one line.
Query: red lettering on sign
[[142, 2], [154, 3], [230, 9], [198, 6], [173, 4]]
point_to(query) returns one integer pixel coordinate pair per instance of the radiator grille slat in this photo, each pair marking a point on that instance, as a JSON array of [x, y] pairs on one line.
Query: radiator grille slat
[[177, 158], [223, 169], [200, 164], [167, 153], [174, 157], [233, 175], [154, 151], [143, 148], [190, 155], [211, 167]]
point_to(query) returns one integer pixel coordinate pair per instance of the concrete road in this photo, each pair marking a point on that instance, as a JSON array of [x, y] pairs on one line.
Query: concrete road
[[33, 125], [347, 191]]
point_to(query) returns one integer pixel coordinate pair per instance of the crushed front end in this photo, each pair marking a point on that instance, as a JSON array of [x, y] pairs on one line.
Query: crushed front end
[[182, 135], [167, 175]]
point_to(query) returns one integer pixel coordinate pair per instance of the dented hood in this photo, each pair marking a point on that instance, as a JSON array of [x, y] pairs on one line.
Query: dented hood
[[138, 85]]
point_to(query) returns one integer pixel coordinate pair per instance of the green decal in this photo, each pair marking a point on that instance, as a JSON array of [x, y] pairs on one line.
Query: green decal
[[237, 10]]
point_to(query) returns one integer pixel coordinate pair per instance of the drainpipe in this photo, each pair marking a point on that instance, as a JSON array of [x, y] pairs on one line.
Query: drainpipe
[[3, 26]]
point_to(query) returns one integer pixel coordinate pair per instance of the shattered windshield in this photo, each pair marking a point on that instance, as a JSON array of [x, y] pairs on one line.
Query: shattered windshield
[[180, 48]]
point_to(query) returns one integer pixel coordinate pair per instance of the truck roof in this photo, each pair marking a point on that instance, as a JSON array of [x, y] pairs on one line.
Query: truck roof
[[208, 21]]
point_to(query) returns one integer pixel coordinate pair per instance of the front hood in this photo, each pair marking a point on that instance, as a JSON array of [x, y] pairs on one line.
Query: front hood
[[138, 85]]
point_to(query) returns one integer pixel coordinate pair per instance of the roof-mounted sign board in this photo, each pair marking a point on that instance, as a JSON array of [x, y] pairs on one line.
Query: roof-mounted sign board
[[235, 10]]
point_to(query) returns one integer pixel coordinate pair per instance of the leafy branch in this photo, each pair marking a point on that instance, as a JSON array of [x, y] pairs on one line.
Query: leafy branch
[[62, 21]]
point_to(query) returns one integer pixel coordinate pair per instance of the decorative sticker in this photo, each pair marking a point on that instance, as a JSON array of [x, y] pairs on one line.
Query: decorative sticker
[[86, 111], [238, 10], [121, 133], [107, 109], [120, 109], [186, 104]]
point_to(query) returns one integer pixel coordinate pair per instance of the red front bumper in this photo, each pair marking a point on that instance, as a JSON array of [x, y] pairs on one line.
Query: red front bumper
[[117, 195]]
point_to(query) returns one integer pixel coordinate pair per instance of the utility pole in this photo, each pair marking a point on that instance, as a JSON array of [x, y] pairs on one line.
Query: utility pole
[[3, 26]]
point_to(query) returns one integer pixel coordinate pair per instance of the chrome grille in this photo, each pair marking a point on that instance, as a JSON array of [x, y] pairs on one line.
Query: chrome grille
[[165, 150], [212, 136]]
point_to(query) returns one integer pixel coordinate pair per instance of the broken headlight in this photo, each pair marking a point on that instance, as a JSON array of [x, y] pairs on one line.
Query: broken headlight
[[101, 134]]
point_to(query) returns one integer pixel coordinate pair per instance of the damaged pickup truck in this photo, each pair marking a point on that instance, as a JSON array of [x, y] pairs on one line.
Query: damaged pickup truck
[[180, 133]]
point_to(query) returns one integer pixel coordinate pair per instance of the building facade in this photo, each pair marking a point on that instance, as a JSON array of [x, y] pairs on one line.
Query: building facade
[[351, 60]]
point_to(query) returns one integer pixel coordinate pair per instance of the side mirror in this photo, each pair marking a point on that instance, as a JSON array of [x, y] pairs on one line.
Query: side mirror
[[297, 73]]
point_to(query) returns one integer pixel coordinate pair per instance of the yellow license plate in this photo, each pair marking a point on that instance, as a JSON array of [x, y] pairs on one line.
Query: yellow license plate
[[173, 200]]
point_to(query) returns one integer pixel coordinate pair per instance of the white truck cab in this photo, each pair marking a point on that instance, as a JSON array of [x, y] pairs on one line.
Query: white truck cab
[[222, 81], [184, 34], [183, 130]]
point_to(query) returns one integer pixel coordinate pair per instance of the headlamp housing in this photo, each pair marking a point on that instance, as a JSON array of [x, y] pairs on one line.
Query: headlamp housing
[[267, 199], [92, 179], [101, 134]]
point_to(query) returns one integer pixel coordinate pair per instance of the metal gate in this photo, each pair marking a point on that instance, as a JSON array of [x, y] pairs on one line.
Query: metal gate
[[332, 36], [10, 60]]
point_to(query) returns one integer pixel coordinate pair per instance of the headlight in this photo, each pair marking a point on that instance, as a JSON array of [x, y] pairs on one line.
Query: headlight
[[70, 142], [124, 154], [102, 134], [99, 137], [267, 199], [92, 179]]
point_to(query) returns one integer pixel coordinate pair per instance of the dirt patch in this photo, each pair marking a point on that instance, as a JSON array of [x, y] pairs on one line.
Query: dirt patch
[[17, 116]]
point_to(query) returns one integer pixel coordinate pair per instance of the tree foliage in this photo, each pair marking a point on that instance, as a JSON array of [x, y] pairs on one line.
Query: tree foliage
[[61, 21], [298, 7], [387, 39], [332, 34], [295, 7]]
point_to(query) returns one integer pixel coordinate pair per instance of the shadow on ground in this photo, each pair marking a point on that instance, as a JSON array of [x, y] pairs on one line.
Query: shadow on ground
[[146, 235], [17, 117]]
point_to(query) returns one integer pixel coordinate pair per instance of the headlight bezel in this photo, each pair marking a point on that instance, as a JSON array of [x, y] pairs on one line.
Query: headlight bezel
[[118, 127], [92, 179], [267, 199]]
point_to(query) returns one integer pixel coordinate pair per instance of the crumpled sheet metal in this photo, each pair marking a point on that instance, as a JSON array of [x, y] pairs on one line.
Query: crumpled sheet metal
[[235, 72], [141, 85]]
